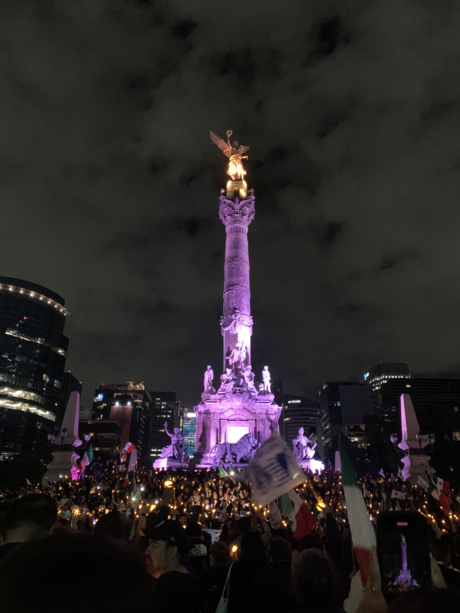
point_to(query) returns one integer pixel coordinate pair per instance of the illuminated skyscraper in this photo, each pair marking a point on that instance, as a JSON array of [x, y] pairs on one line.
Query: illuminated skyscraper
[[33, 352], [342, 403], [165, 408], [385, 371]]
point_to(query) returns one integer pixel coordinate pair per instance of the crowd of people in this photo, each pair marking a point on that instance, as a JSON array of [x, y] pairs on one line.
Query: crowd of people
[[165, 541]]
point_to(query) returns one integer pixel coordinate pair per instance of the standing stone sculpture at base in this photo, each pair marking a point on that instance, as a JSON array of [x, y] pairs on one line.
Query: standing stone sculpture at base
[[208, 379]]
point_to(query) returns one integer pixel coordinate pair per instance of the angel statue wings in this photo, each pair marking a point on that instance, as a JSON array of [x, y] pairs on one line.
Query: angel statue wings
[[234, 152]]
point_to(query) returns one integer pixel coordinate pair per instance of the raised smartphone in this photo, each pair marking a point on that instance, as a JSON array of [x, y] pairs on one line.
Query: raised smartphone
[[403, 552]]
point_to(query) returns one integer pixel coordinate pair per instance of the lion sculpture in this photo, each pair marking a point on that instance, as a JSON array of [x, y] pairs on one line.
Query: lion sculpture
[[241, 451]]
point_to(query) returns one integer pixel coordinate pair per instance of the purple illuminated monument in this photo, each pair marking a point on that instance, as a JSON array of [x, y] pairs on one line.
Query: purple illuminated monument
[[405, 578], [235, 417]]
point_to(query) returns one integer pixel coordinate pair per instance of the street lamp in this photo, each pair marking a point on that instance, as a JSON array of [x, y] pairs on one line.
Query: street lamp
[[394, 439], [51, 437]]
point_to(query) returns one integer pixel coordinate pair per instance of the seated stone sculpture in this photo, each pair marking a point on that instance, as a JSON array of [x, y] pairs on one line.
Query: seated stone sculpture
[[303, 447], [226, 381], [248, 377], [176, 449]]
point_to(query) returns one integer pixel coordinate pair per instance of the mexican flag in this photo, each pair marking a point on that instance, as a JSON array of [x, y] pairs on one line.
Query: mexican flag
[[87, 458], [128, 447], [362, 531], [303, 520], [223, 474], [432, 486], [442, 484]]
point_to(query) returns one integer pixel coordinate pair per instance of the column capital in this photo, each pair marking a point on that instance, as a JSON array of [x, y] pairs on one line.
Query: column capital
[[236, 211]]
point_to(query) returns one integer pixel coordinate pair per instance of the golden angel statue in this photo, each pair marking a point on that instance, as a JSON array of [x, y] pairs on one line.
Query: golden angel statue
[[234, 152]]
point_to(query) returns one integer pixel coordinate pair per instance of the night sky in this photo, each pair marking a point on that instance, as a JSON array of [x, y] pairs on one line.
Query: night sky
[[109, 183]]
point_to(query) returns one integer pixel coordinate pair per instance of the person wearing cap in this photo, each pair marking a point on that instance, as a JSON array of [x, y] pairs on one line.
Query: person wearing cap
[[175, 590]]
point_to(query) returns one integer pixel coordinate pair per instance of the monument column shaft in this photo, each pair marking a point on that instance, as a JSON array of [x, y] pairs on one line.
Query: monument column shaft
[[236, 322], [237, 295]]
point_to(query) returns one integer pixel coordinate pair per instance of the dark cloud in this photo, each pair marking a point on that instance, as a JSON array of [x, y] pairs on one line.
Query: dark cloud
[[109, 184]]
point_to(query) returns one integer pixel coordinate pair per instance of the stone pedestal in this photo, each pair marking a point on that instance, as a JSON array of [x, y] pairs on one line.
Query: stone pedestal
[[168, 463], [60, 466], [412, 444], [312, 465], [64, 463], [226, 417], [414, 466]]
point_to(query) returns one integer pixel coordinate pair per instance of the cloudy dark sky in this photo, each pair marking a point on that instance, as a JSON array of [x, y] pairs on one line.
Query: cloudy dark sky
[[109, 183]]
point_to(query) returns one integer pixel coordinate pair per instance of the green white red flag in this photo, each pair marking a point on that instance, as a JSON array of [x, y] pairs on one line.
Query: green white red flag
[[87, 458], [362, 530], [293, 507], [439, 492], [442, 484], [223, 474], [432, 486]]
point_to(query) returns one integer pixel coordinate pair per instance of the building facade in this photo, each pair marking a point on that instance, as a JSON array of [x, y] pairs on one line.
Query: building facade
[[129, 405], [437, 408], [105, 437], [343, 403], [165, 408], [436, 403], [299, 412], [189, 432], [385, 371], [33, 352]]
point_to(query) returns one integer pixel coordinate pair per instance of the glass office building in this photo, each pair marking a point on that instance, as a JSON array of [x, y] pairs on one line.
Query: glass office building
[[189, 432], [33, 352]]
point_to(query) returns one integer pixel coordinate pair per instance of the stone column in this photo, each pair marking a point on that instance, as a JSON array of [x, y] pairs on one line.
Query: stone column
[[236, 323]]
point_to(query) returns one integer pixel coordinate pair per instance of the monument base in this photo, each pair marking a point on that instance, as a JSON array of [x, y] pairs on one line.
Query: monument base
[[169, 463], [229, 416], [60, 467], [231, 469], [416, 465], [313, 466]]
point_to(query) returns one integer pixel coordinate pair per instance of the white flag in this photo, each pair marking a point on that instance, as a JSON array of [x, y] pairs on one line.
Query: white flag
[[396, 494], [422, 483], [273, 471]]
